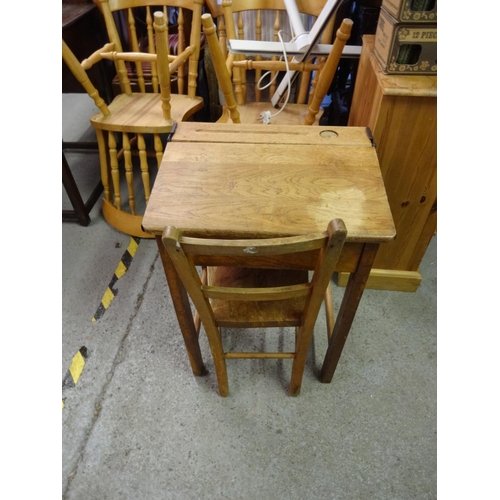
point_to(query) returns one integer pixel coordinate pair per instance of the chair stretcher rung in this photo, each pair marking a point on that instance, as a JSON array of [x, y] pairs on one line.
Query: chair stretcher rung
[[259, 355]]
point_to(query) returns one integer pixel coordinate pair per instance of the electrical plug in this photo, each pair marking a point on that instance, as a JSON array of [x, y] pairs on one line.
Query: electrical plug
[[265, 116]]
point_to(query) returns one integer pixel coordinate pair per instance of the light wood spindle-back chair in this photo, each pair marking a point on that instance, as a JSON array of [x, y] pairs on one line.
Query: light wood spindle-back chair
[[245, 297], [136, 34], [293, 113], [261, 20], [133, 123]]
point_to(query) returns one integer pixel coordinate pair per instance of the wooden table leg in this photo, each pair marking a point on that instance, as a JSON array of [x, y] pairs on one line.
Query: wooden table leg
[[345, 317], [183, 311], [79, 212]]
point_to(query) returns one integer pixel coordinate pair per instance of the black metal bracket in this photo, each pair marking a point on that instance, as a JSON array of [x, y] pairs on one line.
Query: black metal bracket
[[172, 132], [370, 136]]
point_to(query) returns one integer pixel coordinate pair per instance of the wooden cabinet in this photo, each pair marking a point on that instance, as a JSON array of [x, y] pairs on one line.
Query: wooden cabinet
[[401, 111]]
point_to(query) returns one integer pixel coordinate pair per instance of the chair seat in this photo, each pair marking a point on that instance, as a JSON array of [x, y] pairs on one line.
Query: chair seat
[[258, 314], [142, 113], [293, 114]]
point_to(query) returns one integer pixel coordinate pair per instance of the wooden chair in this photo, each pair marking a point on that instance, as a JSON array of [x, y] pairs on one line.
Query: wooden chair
[[134, 124], [245, 297], [231, 69], [134, 32]]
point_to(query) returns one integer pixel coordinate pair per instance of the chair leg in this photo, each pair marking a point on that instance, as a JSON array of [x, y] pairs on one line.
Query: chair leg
[[304, 339], [81, 209], [215, 342], [79, 213], [330, 316]]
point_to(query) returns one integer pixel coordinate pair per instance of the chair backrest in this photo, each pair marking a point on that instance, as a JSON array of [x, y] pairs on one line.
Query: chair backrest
[[327, 246], [324, 70], [137, 17], [108, 51], [256, 20]]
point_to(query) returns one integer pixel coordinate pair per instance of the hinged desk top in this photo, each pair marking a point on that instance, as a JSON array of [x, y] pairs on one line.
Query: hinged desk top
[[232, 180]]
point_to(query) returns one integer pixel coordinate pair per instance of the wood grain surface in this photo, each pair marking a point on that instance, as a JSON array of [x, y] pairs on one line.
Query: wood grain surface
[[253, 188], [401, 111]]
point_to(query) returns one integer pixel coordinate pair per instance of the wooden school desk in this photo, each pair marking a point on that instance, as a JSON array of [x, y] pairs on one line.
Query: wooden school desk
[[251, 181]]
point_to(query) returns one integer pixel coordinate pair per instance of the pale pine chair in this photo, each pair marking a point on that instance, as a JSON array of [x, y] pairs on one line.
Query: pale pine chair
[[245, 297], [260, 20], [134, 124], [138, 36], [239, 110]]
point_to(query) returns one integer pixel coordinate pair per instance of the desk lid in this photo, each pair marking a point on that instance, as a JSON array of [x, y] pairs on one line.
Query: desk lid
[[267, 181]]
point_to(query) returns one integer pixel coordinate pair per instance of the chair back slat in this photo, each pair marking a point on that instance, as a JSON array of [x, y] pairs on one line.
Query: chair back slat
[[254, 294], [258, 247], [152, 48], [134, 45], [221, 28], [276, 29], [182, 70]]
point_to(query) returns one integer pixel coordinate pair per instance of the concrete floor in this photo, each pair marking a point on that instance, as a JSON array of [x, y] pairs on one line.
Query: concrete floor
[[139, 425]]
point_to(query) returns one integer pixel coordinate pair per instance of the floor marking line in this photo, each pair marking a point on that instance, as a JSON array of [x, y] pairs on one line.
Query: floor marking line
[[121, 269], [76, 367], [75, 370]]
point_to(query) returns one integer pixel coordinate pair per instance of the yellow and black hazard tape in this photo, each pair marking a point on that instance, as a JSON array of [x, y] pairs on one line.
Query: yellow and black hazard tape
[[122, 268], [75, 370]]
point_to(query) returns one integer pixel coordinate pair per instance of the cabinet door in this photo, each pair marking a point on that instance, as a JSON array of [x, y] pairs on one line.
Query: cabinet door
[[402, 115], [405, 134]]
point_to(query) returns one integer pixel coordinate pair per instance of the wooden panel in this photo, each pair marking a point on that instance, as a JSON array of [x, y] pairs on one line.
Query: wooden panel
[[382, 279], [402, 114], [277, 134], [269, 190], [348, 260], [368, 94], [408, 158]]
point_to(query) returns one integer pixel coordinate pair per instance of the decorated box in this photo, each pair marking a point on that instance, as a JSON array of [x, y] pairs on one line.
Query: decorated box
[[405, 48], [412, 11]]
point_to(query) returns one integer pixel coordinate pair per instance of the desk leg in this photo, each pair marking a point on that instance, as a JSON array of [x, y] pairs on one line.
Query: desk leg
[[345, 317], [183, 311]]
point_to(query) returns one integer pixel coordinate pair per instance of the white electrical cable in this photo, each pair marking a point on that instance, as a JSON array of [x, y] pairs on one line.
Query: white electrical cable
[[266, 116]]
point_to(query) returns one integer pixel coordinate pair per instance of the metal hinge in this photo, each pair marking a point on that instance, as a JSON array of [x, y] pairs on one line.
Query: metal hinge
[[172, 132], [370, 136]]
